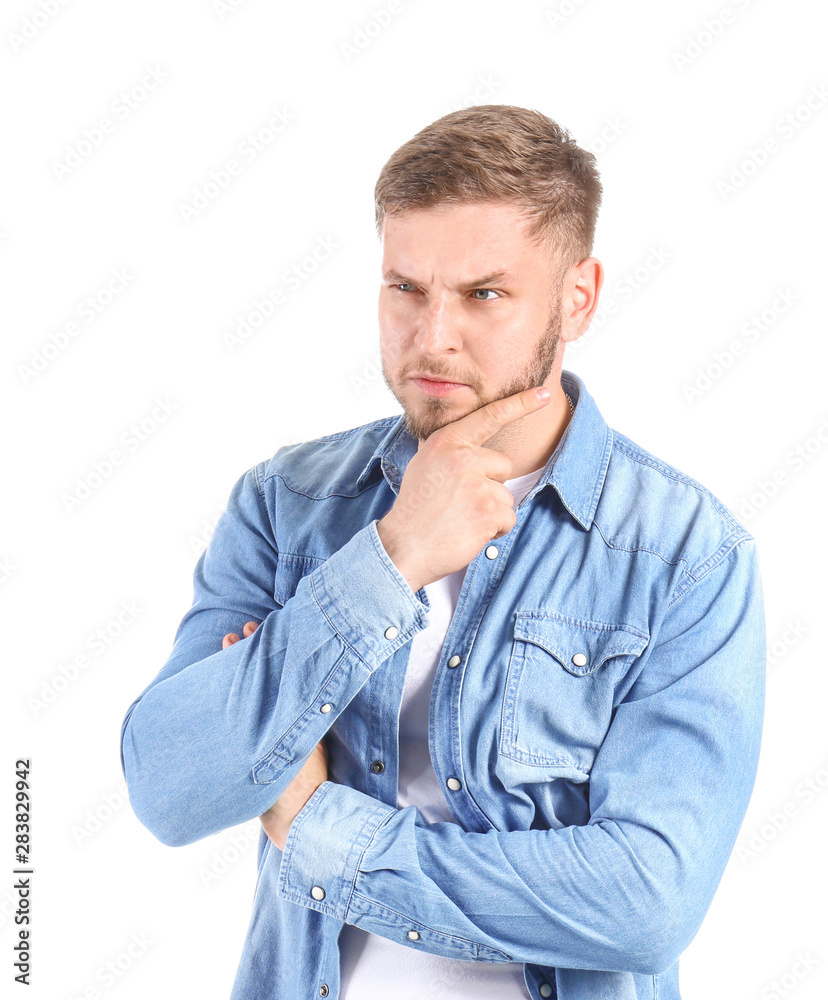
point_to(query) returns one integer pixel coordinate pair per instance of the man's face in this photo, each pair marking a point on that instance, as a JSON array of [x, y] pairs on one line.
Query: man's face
[[446, 311]]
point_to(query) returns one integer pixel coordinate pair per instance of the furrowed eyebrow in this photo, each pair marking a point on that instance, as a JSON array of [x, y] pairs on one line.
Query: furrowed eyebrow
[[496, 277]]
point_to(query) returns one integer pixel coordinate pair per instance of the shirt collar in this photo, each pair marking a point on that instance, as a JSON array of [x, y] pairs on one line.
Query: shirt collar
[[575, 470]]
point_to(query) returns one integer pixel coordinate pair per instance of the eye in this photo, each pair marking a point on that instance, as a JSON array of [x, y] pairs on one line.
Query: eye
[[403, 285], [485, 290]]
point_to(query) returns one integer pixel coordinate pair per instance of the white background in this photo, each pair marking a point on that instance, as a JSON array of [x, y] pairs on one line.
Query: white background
[[672, 106]]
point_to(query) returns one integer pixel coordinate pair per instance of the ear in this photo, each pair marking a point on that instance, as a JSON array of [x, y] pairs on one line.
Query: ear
[[579, 297]]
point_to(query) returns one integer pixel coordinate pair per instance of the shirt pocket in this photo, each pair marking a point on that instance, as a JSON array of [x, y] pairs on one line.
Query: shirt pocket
[[559, 695]]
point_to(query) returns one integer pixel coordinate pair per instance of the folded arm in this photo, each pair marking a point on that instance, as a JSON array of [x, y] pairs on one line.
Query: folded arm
[[628, 890], [218, 735]]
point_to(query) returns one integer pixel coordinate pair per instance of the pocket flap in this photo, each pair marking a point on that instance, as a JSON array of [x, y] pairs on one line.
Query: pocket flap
[[580, 645]]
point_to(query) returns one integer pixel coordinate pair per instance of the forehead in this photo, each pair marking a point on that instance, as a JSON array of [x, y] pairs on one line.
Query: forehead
[[503, 217], [491, 236]]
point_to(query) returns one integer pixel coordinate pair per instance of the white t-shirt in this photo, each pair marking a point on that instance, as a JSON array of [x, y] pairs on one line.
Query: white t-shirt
[[373, 967]]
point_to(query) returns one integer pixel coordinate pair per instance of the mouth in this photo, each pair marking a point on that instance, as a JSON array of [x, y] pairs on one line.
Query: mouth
[[437, 387]]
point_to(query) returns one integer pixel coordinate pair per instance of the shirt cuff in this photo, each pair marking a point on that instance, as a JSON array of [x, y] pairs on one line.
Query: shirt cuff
[[366, 599], [325, 845]]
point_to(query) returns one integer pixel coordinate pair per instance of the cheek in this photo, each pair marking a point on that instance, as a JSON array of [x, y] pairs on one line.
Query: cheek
[[394, 345], [394, 319]]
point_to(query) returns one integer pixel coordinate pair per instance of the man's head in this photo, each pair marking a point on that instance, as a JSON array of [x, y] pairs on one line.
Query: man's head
[[488, 189]]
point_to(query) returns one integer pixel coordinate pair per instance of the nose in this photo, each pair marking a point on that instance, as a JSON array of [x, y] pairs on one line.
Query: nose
[[438, 329]]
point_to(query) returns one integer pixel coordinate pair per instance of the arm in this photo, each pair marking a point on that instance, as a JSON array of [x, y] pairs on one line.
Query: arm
[[216, 737], [625, 892]]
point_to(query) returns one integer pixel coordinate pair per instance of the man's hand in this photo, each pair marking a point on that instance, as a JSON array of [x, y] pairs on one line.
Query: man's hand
[[276, 821], [452, 499], [232, 637]]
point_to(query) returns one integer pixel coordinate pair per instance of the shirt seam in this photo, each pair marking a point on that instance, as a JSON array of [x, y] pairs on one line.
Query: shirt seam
[[405, 919], [333, 627], [259, 481], [638, 455], [327, 496], [679, 593], [383, 423], [623, 548], [357, 870]]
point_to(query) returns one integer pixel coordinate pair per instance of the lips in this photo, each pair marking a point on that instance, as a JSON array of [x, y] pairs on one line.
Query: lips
[[437, 387], [437, 378]]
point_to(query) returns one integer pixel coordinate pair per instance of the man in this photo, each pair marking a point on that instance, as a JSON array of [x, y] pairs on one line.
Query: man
[[491, 674]]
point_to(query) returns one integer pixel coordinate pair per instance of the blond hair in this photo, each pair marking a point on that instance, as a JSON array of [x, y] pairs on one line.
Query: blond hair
[[499, 152]]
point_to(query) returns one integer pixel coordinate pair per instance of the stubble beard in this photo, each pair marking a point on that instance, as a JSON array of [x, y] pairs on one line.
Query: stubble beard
[[435, 412]]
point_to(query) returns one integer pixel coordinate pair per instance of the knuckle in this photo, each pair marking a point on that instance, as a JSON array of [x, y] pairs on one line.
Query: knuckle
[[491, 505], [497, 412]]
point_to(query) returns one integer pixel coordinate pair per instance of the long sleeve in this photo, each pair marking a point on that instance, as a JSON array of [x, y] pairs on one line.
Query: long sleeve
[[218, 735], [628, 890]]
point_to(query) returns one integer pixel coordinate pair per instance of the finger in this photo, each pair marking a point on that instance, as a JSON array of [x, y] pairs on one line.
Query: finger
[[509, 516], [229, 639], [479, 425], [249, 628], [494, 465]]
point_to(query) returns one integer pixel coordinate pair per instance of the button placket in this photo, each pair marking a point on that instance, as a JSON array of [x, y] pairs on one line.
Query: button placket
[[486, 581]]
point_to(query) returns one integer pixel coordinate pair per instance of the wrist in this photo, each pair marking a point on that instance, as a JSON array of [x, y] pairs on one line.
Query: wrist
[[278, 821], [394, 551]]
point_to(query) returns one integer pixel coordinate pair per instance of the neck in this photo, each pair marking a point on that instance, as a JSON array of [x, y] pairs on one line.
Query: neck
[[530, 441]]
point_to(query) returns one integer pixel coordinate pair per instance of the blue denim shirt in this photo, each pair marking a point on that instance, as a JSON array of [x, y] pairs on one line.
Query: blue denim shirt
[[595, 719]]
